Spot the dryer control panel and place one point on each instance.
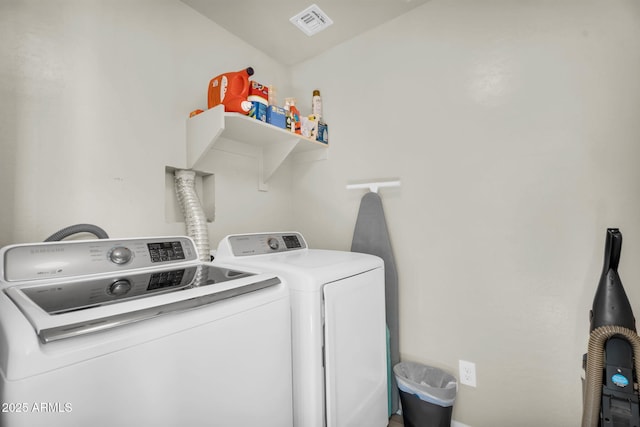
(260, 244)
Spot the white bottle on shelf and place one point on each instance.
(316, 104)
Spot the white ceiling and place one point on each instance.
(265, 24)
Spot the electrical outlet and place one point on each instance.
(467, 373)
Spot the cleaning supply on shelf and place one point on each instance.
(258, 111)
(323, 133)
(292, 116)
(272, 96)
(322, 130)
(309, 126)
(232, 90)
(259, 98)
(287, 114)
(316, 104)
(258, 93)
(276, 116)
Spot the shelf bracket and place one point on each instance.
(203, 131)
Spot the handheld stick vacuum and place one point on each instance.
(613, 356)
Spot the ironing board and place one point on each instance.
(372, 237)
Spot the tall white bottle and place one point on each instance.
(316, 104)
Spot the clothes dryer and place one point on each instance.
(338, 326)
(138, 332)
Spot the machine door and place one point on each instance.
(355, 351)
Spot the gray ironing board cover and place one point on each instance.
(372, 237)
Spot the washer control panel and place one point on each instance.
(260, 244)
(52, 260)
(63, 297)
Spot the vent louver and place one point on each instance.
(312, 20)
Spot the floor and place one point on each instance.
(395, 421)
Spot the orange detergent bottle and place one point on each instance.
(231, 90)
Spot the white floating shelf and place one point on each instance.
(213, 126)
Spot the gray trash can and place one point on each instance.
(427, 394)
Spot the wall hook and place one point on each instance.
(374, 186)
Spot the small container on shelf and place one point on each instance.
(309, 126)
(276, 116)
(323, 133)
(258, 111)
(259, 98)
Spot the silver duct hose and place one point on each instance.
(595, 365)
(194, 217)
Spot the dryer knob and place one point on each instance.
(273, 243)
(120, 255)
(119, 287)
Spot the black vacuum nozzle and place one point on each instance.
(611, 305)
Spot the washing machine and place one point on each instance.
(138, 332)
(338, 326)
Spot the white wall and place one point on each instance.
(94, 101)
(514, 127)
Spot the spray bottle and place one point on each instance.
(293, 117)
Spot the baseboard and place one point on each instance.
(454, 423)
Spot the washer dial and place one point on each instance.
(119, 287)
(273, 243)
(120, 255)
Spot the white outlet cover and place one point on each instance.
(467, 373)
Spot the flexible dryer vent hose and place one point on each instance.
(595, 365)
(194, 217)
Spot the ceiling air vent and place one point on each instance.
(312, 20)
